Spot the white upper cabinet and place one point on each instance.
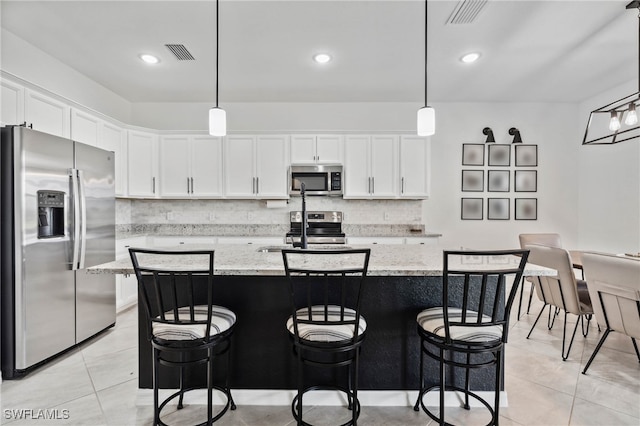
(46, 114)
(85, 128)
(142, 160)
(256, 166)
(190, 166)
(371, 166)
(114, 138)
(316, 149)
(11, 103)
(415, 154)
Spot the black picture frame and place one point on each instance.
(526, 155)
(525, 181)
(499, 155)
(472, 154)
(498, 181)
(526, 208)
(472, 209)
(498, 209)
(472, 180)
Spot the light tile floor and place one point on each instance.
(96, 384)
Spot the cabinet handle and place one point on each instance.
(192, 185)
(373, 185)
(402, 186)
(257, 185)
(253, 185)
(188, 189)
(153, 184)
(369, 188)
(318, 158)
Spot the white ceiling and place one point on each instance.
(547, 51)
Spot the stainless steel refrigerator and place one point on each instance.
(58, 218)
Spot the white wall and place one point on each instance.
(609, 186)
(32, 65)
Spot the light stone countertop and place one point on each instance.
(386, 260)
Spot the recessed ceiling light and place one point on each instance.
(470, 57)
(322, 58)
(149, 59)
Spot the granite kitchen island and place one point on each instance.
(403, 280)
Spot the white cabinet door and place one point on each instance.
(414, 167)
(206, 166)
(173, 170)
(272, 161)
(356, 167)
(316, 149)
(329, 149)
(85, 128)
(46, 114)
(11, 103)
(384, 169)
(114, 139)
(142, 159)
(239, 158)
(303, 149)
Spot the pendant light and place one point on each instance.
(217, 116)
(426, 114)
(620, 117)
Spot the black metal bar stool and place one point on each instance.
(470, 329)
(182, 330)
(326, 326)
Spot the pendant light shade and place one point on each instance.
(217, 122)
(217, 116)
(426, 121)
(426, 115)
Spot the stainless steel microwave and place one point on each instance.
(319, 179)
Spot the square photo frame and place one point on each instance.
(498, 209)
(499, 155)
(472, 180)
(526, 155)
(526, 208)
(472, 209)
(498, 181)
(526, 180)
(472, 154)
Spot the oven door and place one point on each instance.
(316, 183)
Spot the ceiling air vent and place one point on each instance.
(466, 11)
(181, 53)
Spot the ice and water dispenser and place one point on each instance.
(50, 214)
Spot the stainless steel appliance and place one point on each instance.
(323, 227)
(58, 218)
(319, 179)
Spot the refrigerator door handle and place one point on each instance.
(76, 219)
(83, 219)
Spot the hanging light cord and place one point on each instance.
(426, 20)
(217, 44)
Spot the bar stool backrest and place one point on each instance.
(170, 283)
(477, 283)
(328, 284)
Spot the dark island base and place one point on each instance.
(262, 356)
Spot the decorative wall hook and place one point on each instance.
(516, 135)
(487, 131)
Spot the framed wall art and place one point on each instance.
(472, 180)
(472, 154)
(525, 180)
(498, 209)
(498, 181)
(472, 208)
(526, 208)
(526, 155)
(499, 155)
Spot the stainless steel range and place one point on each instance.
(322, 228)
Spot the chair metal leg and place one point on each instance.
(593, 355)
(522, 282)
(210, 388)
(180, 406)
(530, 297)
(564, 332)
(537, 318)
(355, 409)
(226, 380)
(300, 387)
(496, 409)
(421, 390)
(635, 346)
(466, 383)
(156, 410)
(442, 384)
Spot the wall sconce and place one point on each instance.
(487, 131)
(516, 135)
